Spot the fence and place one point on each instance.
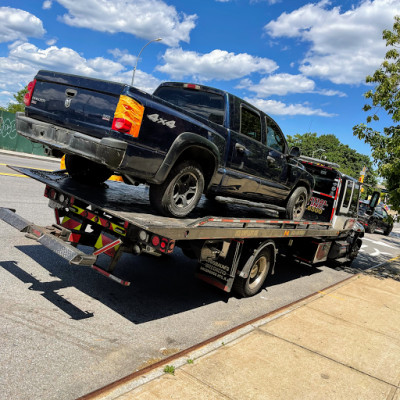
(10, 140)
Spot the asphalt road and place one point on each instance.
(66, 331)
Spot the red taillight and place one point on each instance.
(191, 86)
(155, 241)
(121, 125)
(29, 93)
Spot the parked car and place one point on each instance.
(379, 219)
(184, 140)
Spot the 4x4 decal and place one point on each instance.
(156, 118)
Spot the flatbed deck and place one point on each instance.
(130, 203)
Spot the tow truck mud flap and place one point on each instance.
(218, 262)
(53, 243)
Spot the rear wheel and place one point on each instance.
(86, 171)
(180, 192)
(387, 231)
(249, 286)
(297, 203)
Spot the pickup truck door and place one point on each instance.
(274, 174)
(245, 157)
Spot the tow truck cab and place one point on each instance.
(335, 196)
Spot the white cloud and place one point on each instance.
(25, 59)
(283, 84)
(47, 4)
(217, 64)
(17, 24)
(271, 2)
(345, 46)
(123, 56)
(274, 107)
(51, 42)
(147, 19)
(280, 84)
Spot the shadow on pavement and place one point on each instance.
(160, 286)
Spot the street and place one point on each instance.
(67, 331)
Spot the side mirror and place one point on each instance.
(294, 152)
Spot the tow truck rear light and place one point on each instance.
(155, 241)
(163, 244)
(128, 116)
(29, 93)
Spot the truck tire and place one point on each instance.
(297, 203)
(86, 171)
(371, 227)
(181, 191)
(246, 287)
(387, 231)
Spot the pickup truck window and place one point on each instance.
(275, 138)
(250, 123)
(204, 104)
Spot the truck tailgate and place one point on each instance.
(82, 104)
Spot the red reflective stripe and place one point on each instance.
(108, 247)
(213, 282)
(110, 276)
(57, 215)
(74, 237)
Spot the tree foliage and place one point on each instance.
(385, 96)
(329, 147)
(18, 105)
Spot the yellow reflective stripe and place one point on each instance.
(117, 228)
(99, 243)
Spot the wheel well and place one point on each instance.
(203, 157)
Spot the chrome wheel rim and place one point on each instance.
(185, 190)
(257, 272)
(299, 207)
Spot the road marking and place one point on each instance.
(380, 243)
(24, 166)
(20, 176)
(377, 253)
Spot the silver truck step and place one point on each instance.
(41, 234)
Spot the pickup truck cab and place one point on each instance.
(183, 141)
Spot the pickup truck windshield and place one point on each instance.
(204, 104)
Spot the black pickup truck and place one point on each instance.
(183, 141)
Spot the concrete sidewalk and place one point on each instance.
(340, 344)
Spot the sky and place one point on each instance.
(304, 63)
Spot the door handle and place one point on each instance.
(271, 160)
(240, 148)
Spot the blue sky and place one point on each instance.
(302, 62)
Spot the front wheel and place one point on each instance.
(297, 203)
(249, 286)
(180, 192)
(371, 227)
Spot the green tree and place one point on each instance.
(385, 96)
(18, 105)
(329, 147)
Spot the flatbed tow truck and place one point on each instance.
(236, 248)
